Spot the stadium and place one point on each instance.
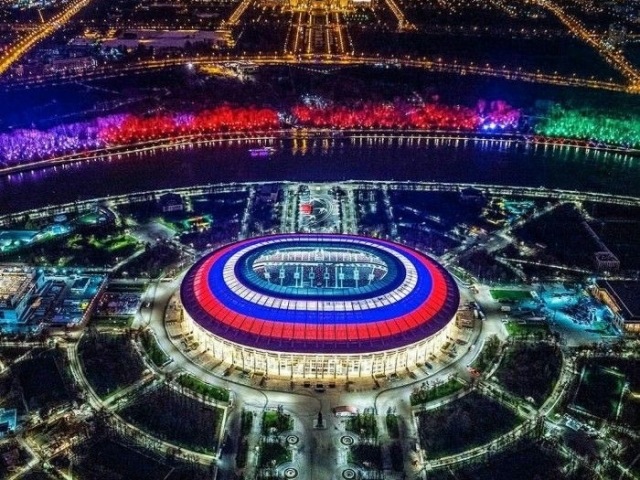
(319, 306)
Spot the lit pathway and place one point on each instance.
(616, 59)
(320, 446)
(97, 404)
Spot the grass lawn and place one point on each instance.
(530, 370)
(465, 423)
(423, 395)
(516, 329)
(41, 381)
(509, 295)
(152, 262)
(113, 457)
(22, 457)
(369, 456)
(397, 457)
(630, 368)
(111, 322)
(518, 463)
(11, 354)
(364, 424)
(114, 244)
(198, 386)
(195, 427)
(153, 350)
(109, 361)
(108, 456)
(488, 355)
(600, 390)
(243, 451)
(127, 287)
(272, 454)
(273, 420)
(392, 425)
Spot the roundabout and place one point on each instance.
(292, 440)
(349, 474)
(347, 440)
(290, 472)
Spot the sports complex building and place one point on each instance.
(320, 306)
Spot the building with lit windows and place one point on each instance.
(30, 298)
(16, 287)
(320, 306)
(623, 298)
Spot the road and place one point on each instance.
(17, 50)
(319, 454)
(97, 404)
(329, 61)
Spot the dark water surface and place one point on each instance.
(329, 160)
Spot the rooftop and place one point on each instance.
(626, 293)
(420, 299)
(13, 284)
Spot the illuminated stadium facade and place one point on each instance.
(319, 306)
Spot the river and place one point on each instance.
(328, 160)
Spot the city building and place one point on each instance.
(606, 261)
(171, 202)
(269, 192)
(465, 317)
(168, 39)
(320, 306)
(623, 298)
(471, 196)
(345, 411)
(616, 35)
(35, 298)
(8, 421)
(70, 65)
(16, 289)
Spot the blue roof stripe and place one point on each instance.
(392, 280)
(411, 302)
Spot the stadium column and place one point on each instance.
(396, 365)
(291, 364)
(233, 356)
(304, 359)
(384, 363)
(279, 364)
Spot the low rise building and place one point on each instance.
(16, 289)
(70, 65)
(29, 299)
(623, 298)
(171, 202)
(605, 261)
(168, 39)
(8, 421)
